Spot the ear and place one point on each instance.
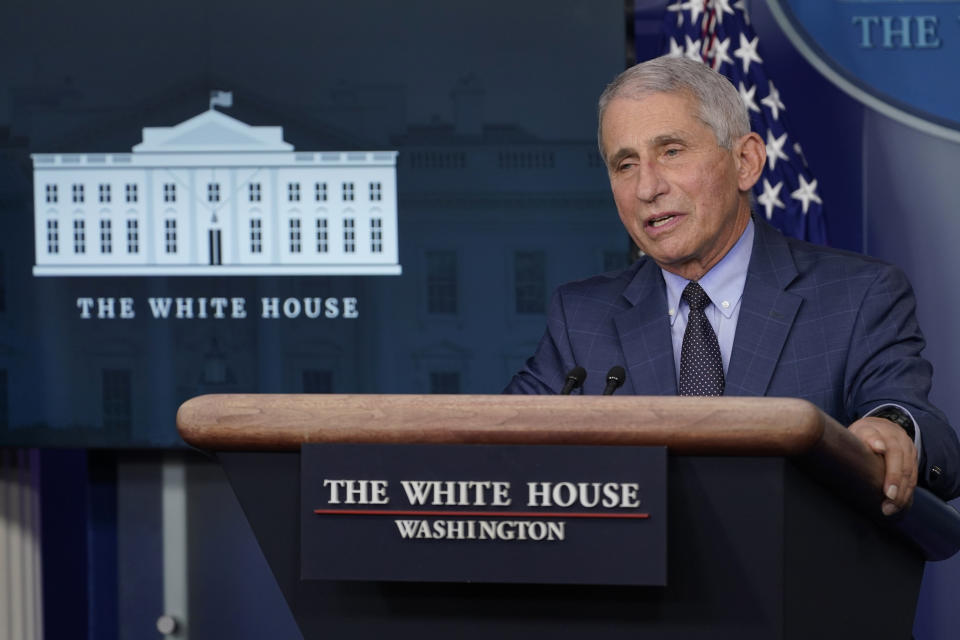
(750, 154)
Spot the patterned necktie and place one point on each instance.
(701, 367)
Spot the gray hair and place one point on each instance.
(718, 103)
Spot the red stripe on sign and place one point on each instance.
(478, 514)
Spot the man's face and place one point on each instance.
(678, 193)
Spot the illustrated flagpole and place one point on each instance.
(220, 98)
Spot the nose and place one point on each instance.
(650, 182)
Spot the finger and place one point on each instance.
(908, 501)
(910, 477)
(872, 437)
(889, 508)
(877, 443)
(894, 480)
(908, 470)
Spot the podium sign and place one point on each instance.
(484, 513)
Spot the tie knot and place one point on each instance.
(695, 296)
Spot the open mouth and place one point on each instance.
(660, 221)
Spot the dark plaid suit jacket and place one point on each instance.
(836, 328)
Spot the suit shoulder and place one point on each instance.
(829, 263)
(609, 285)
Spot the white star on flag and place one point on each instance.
(806, 193)
(720, 7)
(747, 96)
(775, 149)
(719, 53)
(773, 102)
(741, 4)
(679, 7)
(747, 52)
(797, 149)
(695, 7)
(676, 51)
(693, 50)
(770, 197)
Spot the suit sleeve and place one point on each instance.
(544, 372)
(885, 366)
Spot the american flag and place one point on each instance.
(718, 33)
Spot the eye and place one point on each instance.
(672, 152)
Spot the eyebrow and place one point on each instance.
(620, 155)
(658, 141)
(668, 138)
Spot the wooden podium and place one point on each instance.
(774, 526)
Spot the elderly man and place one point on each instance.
(722, 303)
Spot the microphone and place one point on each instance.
(615, 379)
(575, 378)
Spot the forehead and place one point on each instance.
(642, 121)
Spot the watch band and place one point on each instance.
(897, 416)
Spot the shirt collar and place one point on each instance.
(723, 283)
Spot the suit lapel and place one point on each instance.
(644, 333)
(767, 314)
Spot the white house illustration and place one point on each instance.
(214, 196)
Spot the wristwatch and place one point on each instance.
(897, 416)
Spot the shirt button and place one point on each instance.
(672, 311)
(725, 304)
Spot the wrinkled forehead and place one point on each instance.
(664, 111)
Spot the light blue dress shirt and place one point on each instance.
(724, 286)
